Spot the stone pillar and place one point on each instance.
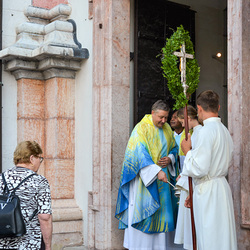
(60, 136)
(239, 113)
(44, 61)
(110, 118)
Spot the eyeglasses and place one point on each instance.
(41, 158)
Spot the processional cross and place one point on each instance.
(183, 55)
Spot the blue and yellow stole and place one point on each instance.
(155, 205)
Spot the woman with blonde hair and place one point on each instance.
(34, 195)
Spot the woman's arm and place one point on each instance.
(46, 229)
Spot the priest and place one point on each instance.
(208, 164)
(146, 207)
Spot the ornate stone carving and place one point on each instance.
(46, 46)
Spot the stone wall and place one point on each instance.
(110, 118)
(239, 114)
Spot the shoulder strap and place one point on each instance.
(5, 184)
(34, 214)
(14, 190)
(6, 187)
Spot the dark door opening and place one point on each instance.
(154, 22)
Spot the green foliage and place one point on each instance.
(171, 70)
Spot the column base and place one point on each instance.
(67, 224)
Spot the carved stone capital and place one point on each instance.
(46, 46)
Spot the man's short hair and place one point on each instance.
(209, 101)
(160, 105)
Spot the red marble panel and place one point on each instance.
(60, 138)
(32, 130)
(48, 4)
(60, 98)
(60, 174)
(30, 98)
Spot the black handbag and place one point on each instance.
(11, 219)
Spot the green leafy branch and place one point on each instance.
(171, 70)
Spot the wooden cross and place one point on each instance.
(183, 55)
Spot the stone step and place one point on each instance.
(76, 248)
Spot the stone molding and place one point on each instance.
(46, 46)
(59, 12)
(67, 223)
(66, 210)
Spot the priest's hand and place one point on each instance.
(164, 162)
(162, 176)
(178, 178)
(187, 202)
(186, 145)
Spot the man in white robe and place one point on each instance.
(208, 164)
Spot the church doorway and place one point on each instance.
(154, 21)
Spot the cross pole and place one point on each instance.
(183, 56)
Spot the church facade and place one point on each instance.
(70, 82)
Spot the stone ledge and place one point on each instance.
(28, 27)
(29, 74)
(67, 203)
(76, 248)
(67, 227)
(67, 214)
(20, 64)
(61, 73)
(59, 26)
(68, 239)
(44, 69)
(47, 51)
(60, 11)
(59, 63)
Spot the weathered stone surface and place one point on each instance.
(30, 99)
(52, 73)
(59, 241)
(27, 74)
(110, 100)
(61, 9)
(48, 63)
(60, 174)
(59, 98)
(239, 113)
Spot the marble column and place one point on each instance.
(239, 113)
(44, 61)
(60, 136)
(110, 118)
